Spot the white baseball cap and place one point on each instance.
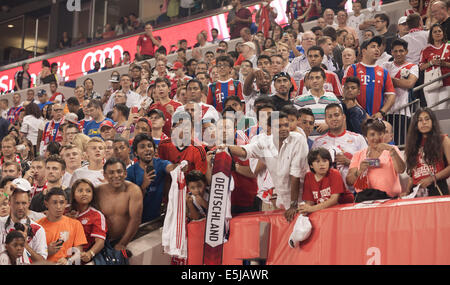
(402, 20)
(250, 45)
(22, 184)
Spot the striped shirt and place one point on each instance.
(317, 104)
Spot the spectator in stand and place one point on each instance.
(402, 27)
(417, 38)
(427, 154)
(97, 67)
(93, 221)
(31, 122)
(15, 110)
(132, 98)
(91, 128)
(305, 121)
(163, 17)
(51, 131)
(126, 59)
(72, 157)
(136, 72)
(88, 84)
(202, 41)
(342, 21)
(436, 56)
(108, 32)
(439, 11)
(73, 106)
(95, 154)
(315, 56)
(299, 10)
(107, 132)
(334, 5)
(150, 173)
(299, 65)
(238, 18)
(277, 33)
(4, 105)
(338, 141)
(354, 114)
(215, 36)
(22, 78)
(225, 86)
(328, 16)
(135, 22)
(416, 8)
(66, 41)
(56, 97)
(173, 9)
(45, 75)
(12, 169)
(121, 148)
(146, 44)
(404, 77)
(376, 82)
(326, 43)
(120, 115)
(123, 26)
(263, 80)
(108, 64)
(355, 20)
(323, 186)
(165, 104)
(62, 232)
(35, 242)
(121, 203)
(282, 83)
(288, 165)
(374, 171)
(13, 252)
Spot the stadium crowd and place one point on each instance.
(305, 115)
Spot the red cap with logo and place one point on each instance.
(106, 123)
(177, 65)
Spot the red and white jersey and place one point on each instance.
(347, 143)
(207, 111)
(35, 189)
(332, 84)
(431, 52)
(2, 160)
(94, 225)
(401, 94)
(38, 243)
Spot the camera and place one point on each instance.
(373, 162)
(19, 227)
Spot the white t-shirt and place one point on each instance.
(401, 94)
(354, 22)
(30, 127)
(95, 176)
(66, 179)
(4, 259)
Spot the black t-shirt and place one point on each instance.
(279, 102)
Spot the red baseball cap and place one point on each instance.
(177, 65)
(106, 123)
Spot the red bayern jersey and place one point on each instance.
(219, 91)
(194, 154)
(146, 44)
(375, 84)
(94, 225)
(331, 84)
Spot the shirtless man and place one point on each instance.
(121, 203)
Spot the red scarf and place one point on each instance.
(264, 21)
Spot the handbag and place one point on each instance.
(110, 256)
(432, 74)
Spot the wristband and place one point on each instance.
(92, 253)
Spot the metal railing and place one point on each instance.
(401, 116)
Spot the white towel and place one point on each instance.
(174, 240)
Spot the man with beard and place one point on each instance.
(285, 155)
(282, 82)
(263, 81)
(150, 174)
(341, 144)
(121, 203)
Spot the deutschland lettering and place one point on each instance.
(217, 208)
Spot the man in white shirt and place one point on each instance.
(284, 153)
(357, 19)
(72, 156)
(404, 77)
(299, 65)
(36, 242)
(417, 38)
(328, 16)
(341, 144)
(95, 152)
(249, 52)
(133, 98)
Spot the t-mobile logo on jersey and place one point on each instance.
(73, 5)
(374, 254)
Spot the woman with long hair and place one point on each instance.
(31, 122)
(277, 33)
(94, 223)
(434, 58)
(427, 154)
(374, 171)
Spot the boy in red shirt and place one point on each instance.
(323, 186)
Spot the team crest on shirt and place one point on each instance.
(379, 73)
(231, 87)
(84, 221)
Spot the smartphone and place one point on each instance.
(59, 242)
(149, 168)
(373, 162)
(134, 110)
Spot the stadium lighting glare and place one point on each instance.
(10, 26)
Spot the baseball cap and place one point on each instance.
(22, 184)
(106, 123)
(145, 120)
(177, 65)
(114, 78)
(157, 111)
(281, 74)
(250, 45)
(376, 39)
(42, 92)
(402, 20)
(71, 118)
